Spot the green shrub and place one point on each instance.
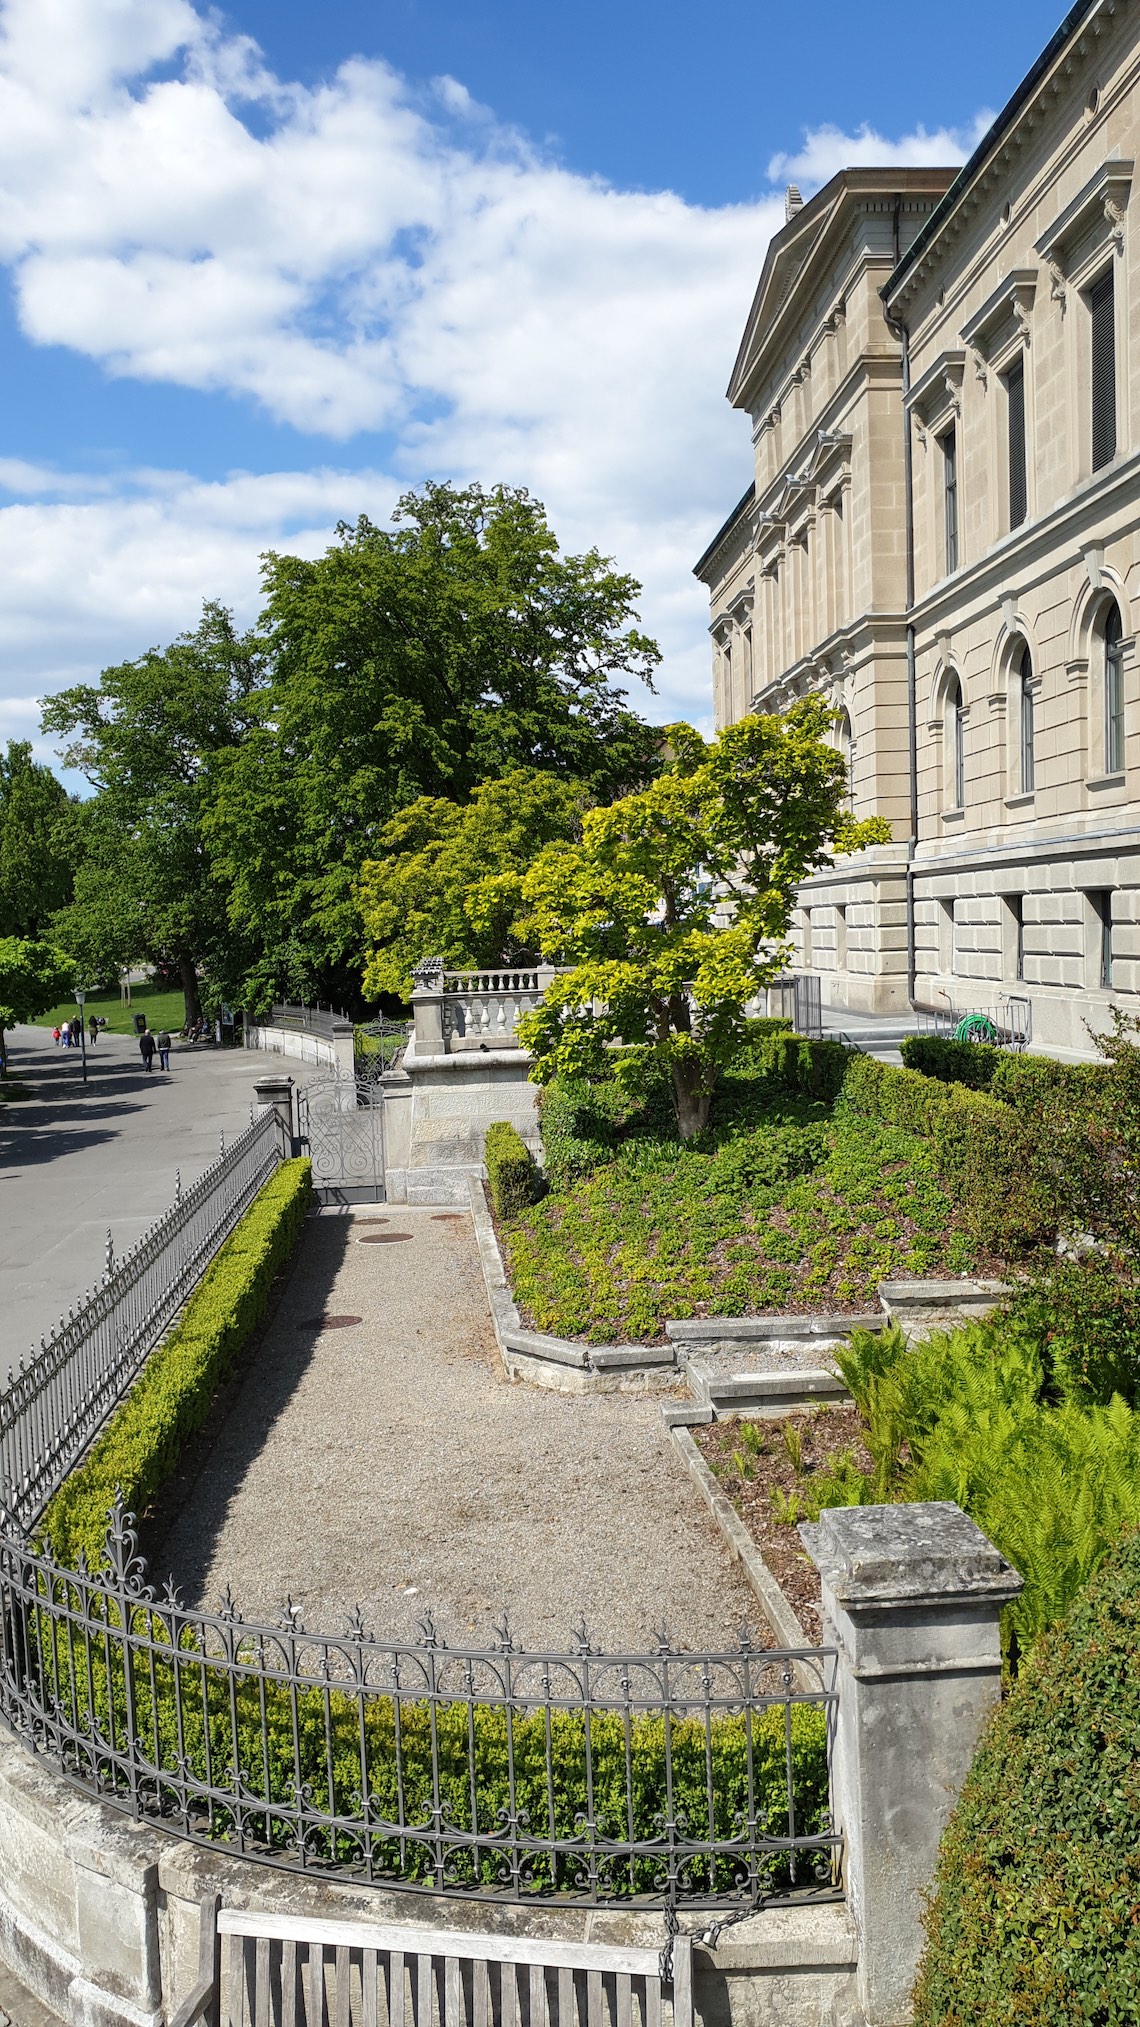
(1026, 1081)
(141, 1445)
(794, 1063)
(513, 1175)
(986, 1151)
(969, 1063)
(1084, 1314)
(579, 1130)
(1033, 1919)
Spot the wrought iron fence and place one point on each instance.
(492, 1773)
(51, 1409)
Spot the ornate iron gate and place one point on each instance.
(341, 1123)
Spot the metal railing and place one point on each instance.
(52, 1408)
(306, 1020)
(494, 1773)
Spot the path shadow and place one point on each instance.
(180, 1536)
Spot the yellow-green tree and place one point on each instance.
(674, 910)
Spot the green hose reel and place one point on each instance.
(976, 1027)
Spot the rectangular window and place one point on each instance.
(1102, 310)
(841, 939)
(1015, 388)
(806, 951)
(950, 481)
(1101, 903)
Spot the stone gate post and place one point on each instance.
(277, 1094)
(911, 1599)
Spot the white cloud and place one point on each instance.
(828, 149)
(354, 256)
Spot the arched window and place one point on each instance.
(956, 742)
(1113, 693)
(847, 748)
(1026, 689)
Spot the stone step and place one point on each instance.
(763, 1393)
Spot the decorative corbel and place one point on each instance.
(953, 393)
(981, 368)
(920, 433)
(1058, 285)
(1114, 219)
(1023, 320)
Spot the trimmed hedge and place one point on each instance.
(1033, 1920)
(985, 1149)
(140, 1447)
(969, 1063)
(513, 1175)
(808, 1069)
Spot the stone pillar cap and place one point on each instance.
(273, 1084)
(904, 1554)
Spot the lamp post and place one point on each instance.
(80, 996)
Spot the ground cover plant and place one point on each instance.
(790, 1201)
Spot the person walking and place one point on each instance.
(163, 1049)
(93, 1025)
(56, 1036)
(146, 1048)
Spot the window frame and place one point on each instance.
(1100, 299)
(1027, 708)
(951, 522)
(954, 740)
(1017, 447)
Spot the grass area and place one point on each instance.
(786, 1205)
(163, 1009)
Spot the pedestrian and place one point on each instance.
(55, 1036)
(146, 1048)
(65, 1032)
(163, 1049)
(93, 1024)
(76, 1032)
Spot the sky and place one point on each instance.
(267, 266)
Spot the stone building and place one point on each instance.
(943, 376)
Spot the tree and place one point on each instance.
(36, 843)
(146, 738)
(640, 910)
(407, 662)
(33, 977)
(450, 882)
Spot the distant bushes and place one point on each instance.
(142, 1443)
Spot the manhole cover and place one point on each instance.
(328, 1322)
(382, 1238)
(446, 1218)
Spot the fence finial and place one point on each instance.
(221, 1143)
(178, 1185)
(110, 1267)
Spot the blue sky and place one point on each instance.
(264, 267)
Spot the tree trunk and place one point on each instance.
(189, 978)
(691, 1100)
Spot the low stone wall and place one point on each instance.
(99, 1918)
(437, 1109)
(332, 1054)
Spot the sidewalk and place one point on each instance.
(74, 1162)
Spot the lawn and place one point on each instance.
(787, 1205)
(163, 1009)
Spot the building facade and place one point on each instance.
(944, 536)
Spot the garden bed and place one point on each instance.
(805, 1213)
(768, 1469)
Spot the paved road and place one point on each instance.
(76, 1162)
(385, 1461)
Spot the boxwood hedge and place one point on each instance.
(1034, 1920)
(141, 1445)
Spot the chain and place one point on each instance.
(672, 1930)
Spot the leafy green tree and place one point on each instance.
(33, 976)
(673, 912)
(407, 662)
(449, 883)
(147, 737)
(36, 843)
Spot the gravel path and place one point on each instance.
(387, 1462)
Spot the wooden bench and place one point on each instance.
(271, 1970)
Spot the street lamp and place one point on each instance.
(80, 996)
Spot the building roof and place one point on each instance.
(793, 249)
(1074, 19)
(722, 533)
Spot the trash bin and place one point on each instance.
(140, 1023)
